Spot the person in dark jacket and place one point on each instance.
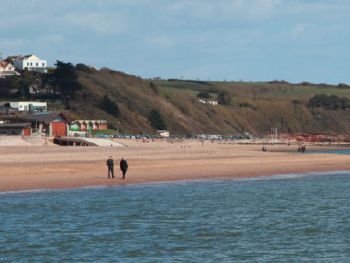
(110, 165)
(123, 166)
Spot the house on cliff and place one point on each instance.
(7, 69)
(28, 62)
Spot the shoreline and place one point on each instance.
(181, 181)
(40, 168)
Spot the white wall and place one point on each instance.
(26, 105)
(32, 63)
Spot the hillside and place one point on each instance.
(245, 106)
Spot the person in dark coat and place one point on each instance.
(123, 166)
(110, 165)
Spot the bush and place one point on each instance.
(156, 120)
(154, 87)
(246, 104)
(204, 95)
(224, 98)
(331, 102)
(110, 106)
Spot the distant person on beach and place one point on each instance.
(303, 149)
(110, 165)
(264, 148)
(123, 167)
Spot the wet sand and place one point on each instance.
(53, 167)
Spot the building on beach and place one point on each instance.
(23, 129)
(6, 111)
(48, 123)
(81, 127)
(29, 62)
(88, 125)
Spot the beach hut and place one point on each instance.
(23, 129)
(50, 123)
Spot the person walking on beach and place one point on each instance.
(123, 166)
(110, 165)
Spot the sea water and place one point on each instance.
(294, 218)
(332, 151)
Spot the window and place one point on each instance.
(43, 64)
(37, 64)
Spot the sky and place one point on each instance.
(232, 40)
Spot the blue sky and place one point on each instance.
(252, 40)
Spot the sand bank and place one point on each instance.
(26, 168)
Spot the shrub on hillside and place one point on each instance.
(224, 98)
(85, 68)
(156, 120)
(331, 102)
(343, 86)
(110, 106)
(154, 87)
(204, 94)
(246, 104)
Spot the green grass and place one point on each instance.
(253, 90)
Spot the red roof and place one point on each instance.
(3, 64)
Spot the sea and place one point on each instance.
(285, 218)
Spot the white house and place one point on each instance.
(32, 106)
(7, 69)
(29, 62)
(211, 102)
(163, 133)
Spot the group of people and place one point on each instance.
(302, 149)
(123, 164)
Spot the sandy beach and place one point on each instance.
(53, 167)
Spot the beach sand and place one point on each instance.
(53, 167)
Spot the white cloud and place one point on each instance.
(161, 41)
(103, 23)
(225, 9)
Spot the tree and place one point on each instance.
(156, 120)
(204, 94)
(224, 98)
(66, 79)
(110, 106)
(331, 102)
